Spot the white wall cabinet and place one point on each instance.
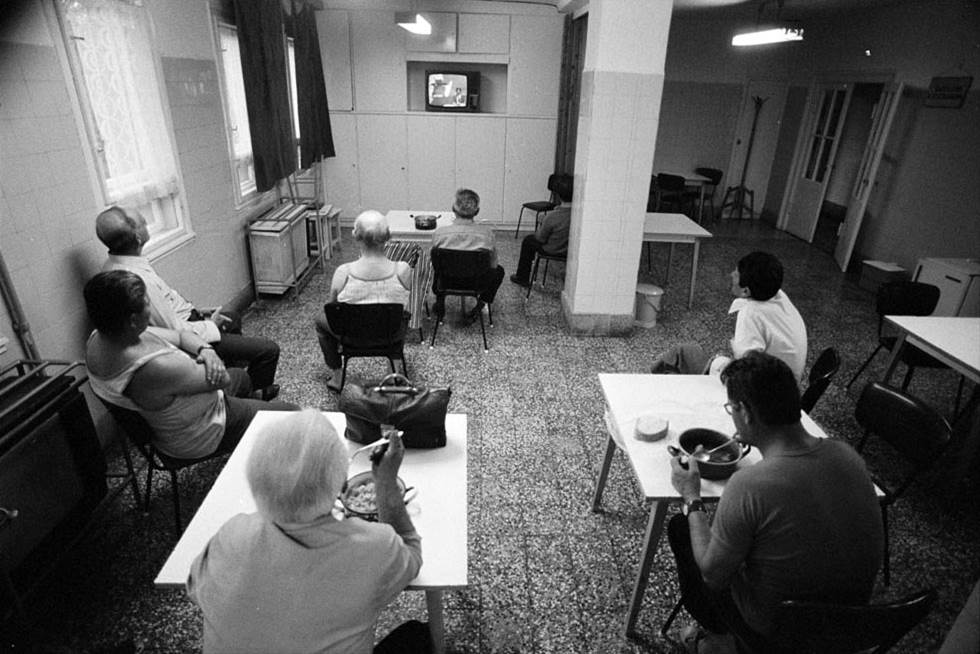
(958, 281)
(431, 162)
(333, 26)
(480, 147)
(378, 61)
(484, 34)
(382, 162)
(341, 179)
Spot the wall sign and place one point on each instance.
(948, 91)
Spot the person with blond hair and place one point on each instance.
(295, 576)
(371, 279)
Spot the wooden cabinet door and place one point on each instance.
(530, 158)
(480, 146)
(431, 162)
(382, 162)
(341, 184)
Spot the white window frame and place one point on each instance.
(166, 217)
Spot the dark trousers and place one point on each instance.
(412, 637)
(488, 283)
(530, 246)
(260, 355)
(714, 610)
(240, 409)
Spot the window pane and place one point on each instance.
(236, 111)
(293, 95)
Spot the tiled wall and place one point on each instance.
(47, 201)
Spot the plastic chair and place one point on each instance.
(821, 373)
(714, 179)
(559, 185)
(456, 272)
(804, 627)
(141, 435)
(914, 429)
(534, 271)
(670, 193)
(903, 298)
(369, 330)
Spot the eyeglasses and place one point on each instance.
(730, 407)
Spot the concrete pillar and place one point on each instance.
(622, 84)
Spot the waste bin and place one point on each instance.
(648, 299)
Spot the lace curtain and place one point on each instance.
(112, 39)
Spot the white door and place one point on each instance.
(431, 162)
(881, 123)
(341, 187)
(825, 118)
(480, 147)
(382, 162)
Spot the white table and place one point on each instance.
(676, 228)
(438, 512)
(693, 179)
(403, 230)
(686, 401)
(954, 341)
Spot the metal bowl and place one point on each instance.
(722, 463)
(357, 492)
(425, 221)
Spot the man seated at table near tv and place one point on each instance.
(295, 577)
(802, 523)
(766, 322)
(550, 238)
(175, 380)
(124, 232)
(464, 234)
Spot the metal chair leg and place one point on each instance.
(670, 618)
(520, 217)
(486, 348)
(176, 493)
(131, 470)
(534, 275)
(343, 374)
(886, 567)
(864, 365)
(149, 486)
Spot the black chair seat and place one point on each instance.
(540, 205)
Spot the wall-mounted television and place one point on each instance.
(452, 90)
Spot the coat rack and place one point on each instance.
(739, 194)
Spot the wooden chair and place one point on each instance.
(453, 272)
(559, 185)
(369, 330)
(804, 627)
(821, 373)
(914, 429)
(141, 435)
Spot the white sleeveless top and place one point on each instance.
(191, 426)
(388, 290)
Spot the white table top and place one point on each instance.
(693, 179)
(953, 339)
(402, 224)
(439, 511)
(669, 226)
(685, 401)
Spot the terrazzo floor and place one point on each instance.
(546, 574)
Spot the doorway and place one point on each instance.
(855, 132)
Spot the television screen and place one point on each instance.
(452, 91)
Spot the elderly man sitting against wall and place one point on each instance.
(124, 232)
(296, 578)
(175, 380)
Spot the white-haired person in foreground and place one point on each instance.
(295, 578)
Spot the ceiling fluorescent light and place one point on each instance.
(771, 35)
(415, 24)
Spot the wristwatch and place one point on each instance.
(694, 505)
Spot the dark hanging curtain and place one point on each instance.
(260, 30)
(315, 138)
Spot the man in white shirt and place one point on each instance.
(124, 232)
(766, 322)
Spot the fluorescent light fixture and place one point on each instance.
(415, 24)
(769, 35)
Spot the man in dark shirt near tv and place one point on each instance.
(551, 237)
(465, 234)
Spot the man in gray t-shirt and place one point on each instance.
(803, 523)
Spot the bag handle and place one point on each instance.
(395, 383)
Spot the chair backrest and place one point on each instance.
(356, 324)
(560, 186)
(670, 183)
(713, 174)
(823, 370)
(822, 628)
(905, 298)
(908, 424)
(459, 270)
(137, 429)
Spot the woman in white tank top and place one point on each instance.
(371, 279)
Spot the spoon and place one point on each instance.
(704, 455)
(369, 446)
